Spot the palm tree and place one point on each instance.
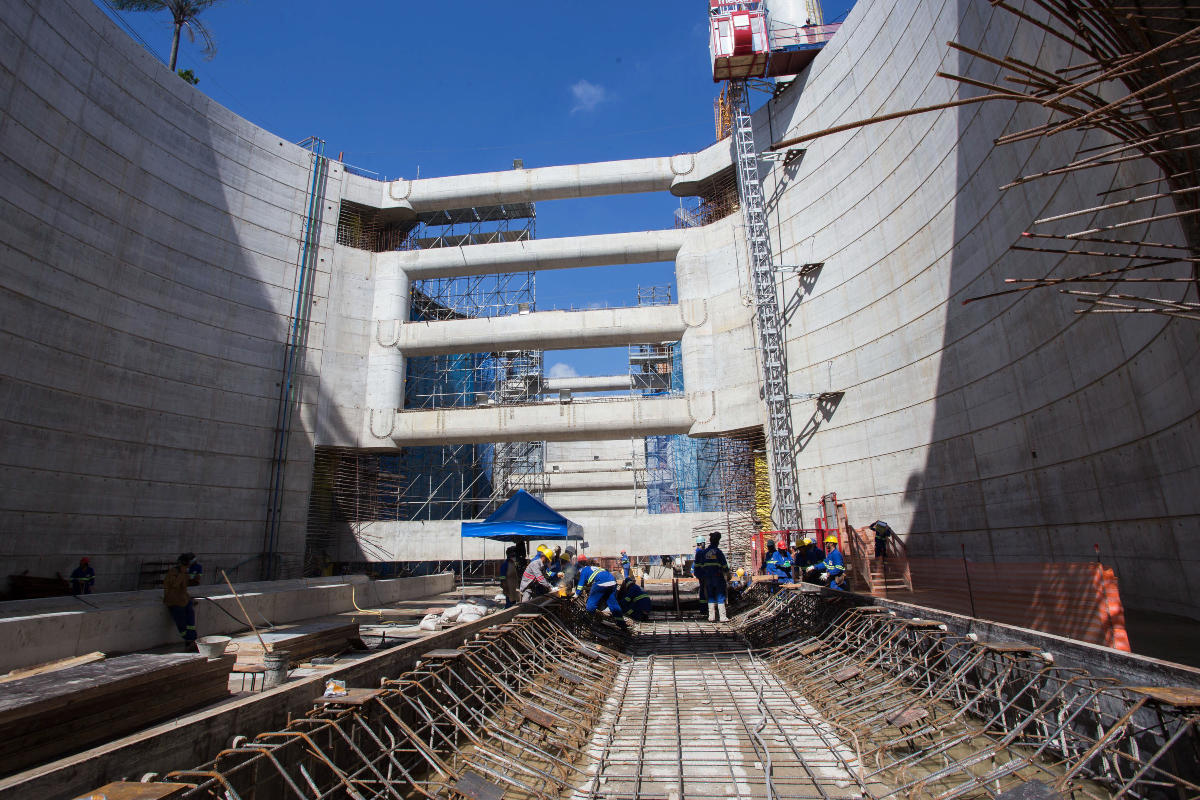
(184, 16)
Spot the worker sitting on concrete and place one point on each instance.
(625, 564)
(810, 556)
(833, 565)
(696, 562)
(179, 603)
(839, 582)
(883, 532)
(601, 588)
(533, 579)
(779, 565)
(713, 570)
(634, 601)
(83, 577)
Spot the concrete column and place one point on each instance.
(544, 330)
(607, 249)
(385, 362)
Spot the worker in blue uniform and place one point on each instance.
(833, 565)
(779, 564)
(601, 588)
(700, 545)
(713, 570)
(625, 565)
(634, 601)
(810, 555)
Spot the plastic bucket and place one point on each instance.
(277, 667)
(212, 646)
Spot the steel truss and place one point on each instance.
(780, 438)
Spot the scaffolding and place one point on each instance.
(351, 488)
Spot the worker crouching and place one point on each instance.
(634, 601)
(600, 585)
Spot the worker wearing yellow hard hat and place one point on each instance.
(809, 555)
(833, 565)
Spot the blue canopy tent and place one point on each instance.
(521, 518)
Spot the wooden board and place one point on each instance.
(46, 716)
(301, 641)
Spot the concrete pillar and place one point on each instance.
(385, 362)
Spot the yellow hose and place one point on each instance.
(354, 603)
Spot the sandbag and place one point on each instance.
(431, 622)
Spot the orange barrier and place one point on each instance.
(1078, 600)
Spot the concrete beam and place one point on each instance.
(622, 500)
(545, 330)
(588, 383)
(682, 174)
(578, 421)
(589, 481)
(641, 247)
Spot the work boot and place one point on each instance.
(721, 612)
(712, 612)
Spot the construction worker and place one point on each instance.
(554, 566)
(696, 561)
(510, 575)
(625, 564)
(83, 577)
(713, 570)
(833, 565)
(634, 601)
(533, 579)
(839, 582)
(179, 603)
(770, 551)
(601, 588)
(883, 532)
(570, 572)
(779, 564)
(810, 556)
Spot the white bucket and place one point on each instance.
(212, 646)
(276, 663)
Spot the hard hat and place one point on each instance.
(546, 551)
(85, 560)
(781, 545)
(806, 541)
(831, 539)
(622, 552)
(581, 562)
(699, 540)
(570, 551)
(741, 572)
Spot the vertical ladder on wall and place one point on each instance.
(780, 440)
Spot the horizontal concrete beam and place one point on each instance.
(588, 383)
(683, 174)
(640, 247)
(545, 330)
(578, 421)
(617, 500)
(589, 481)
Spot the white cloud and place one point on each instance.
(587, 95)
(561, 370)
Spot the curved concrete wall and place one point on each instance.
(150, 243)
(1010, 426)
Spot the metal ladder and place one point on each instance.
(780, 439)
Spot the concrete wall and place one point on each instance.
(148, 251)
(38, 631)
(1010, 426)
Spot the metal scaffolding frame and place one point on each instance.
(772, 353)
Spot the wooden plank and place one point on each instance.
(128, 790)
(52, 666)
(353, 697)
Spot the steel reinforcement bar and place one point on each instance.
(935, 714)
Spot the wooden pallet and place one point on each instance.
(301, 641)
(46, 716)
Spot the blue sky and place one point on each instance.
(398, 87)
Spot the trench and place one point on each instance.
(802, 696)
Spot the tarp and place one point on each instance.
(523, 517)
